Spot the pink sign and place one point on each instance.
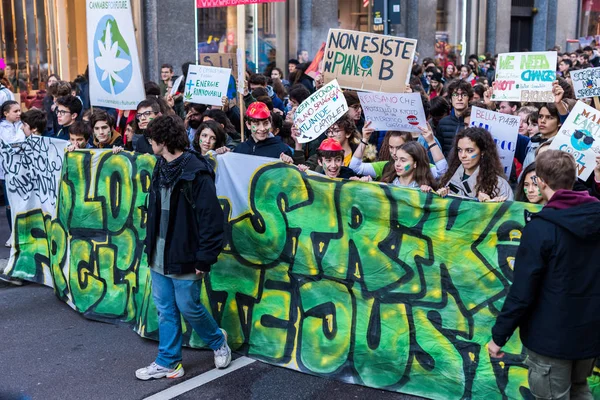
(227, 3)
(2, 63)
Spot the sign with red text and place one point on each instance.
(504, 129)
(227, 3)
(368, 61)
(580, 136)
(525, 77)
(393, 111)
(321, 110)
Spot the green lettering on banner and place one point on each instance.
(368, 283)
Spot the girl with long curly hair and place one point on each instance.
(475, 170)
(411, 168)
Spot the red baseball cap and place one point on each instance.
(258, 110)
(330, 144)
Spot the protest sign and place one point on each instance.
(176, 85)
(393, 111)
(585, 41)
(221, 60)
(321, 110)
(504, 129)
(369, 284)
(580, 136)
(206, 85)
(226, 3)
(115, 75)
(586, 82)
(368, 61)
(525, 77)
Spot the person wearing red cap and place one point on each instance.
(330, 156)
(261, 141)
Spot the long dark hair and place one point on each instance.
(422, 174)
(214, 126)
(490, 167)
(520, 191)
(384, 152)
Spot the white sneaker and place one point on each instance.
(155, 371)
(223, 354)
(9, 241)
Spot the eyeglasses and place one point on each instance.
(62, 112)
(334, 132)
(356, 107)
(587, 139)
(461, 95)
(144, 115)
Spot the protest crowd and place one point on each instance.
(449, 155)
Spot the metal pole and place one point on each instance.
(241, 39)
(196, 30)
(385, 17)
(255, 35)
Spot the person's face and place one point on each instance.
(10, 72)
(566, 57)
(77, 140)
(464, 72)
(275, 74)
(460, 100)
(468, 154)
(466, 122)
(13, 114)
(562, 67)
(291, 67)
(102, 132)
(476, 96)
(547, 123)
(404, 164)
(573, 57)
(52, 80)
(144, 116)
(165, 74)
(338, 134)
(355, 112)
(532, 128)
(207, 140)
(394, 145)
(532, 191)
(450, 70)
(331, 165)
(157, 149)
(505, 108)
(581, 59)
(64, 116)
(523, 125)
(26, 129)
(435, 85)
(588, 52)
(129, 133)
(304, 56)
(260, 129)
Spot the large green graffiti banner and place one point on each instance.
(362, 282)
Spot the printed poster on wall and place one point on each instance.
(504, 129)
(525, 77)
(368, 61)
(206, 85)
(586, 82)
(115, 75)
(321, 110)
(580, 136)
(393, 111)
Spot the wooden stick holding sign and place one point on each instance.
(241, 63)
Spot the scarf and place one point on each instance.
(170, 172)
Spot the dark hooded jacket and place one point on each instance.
(270, 147)
(447, 128)
(555, 295)
(194, 237)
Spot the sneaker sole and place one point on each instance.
(229, 357)
(178, 373)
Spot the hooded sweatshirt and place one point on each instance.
(555, 294)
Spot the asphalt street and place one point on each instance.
(51, 352)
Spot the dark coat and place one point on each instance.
(447, 128)
(270, 147)
(195, 233)
(555, 295)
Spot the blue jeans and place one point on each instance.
(172, 296)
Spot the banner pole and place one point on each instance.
(196, 29)
(241, 39)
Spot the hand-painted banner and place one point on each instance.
(525, 77)
(362, 282)
(393, 111)
(580, 136)
(586, 82)
(505, 130)
(321, 110)
(368, 61)
(226, 3)
(206, 85)
(115, 73)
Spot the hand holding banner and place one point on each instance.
(586, 82)
(393, 111)
(320, 111)
(206, 85)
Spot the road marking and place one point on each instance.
(200, 380)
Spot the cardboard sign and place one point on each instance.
(176, 85)
(206, 85)
(586, 82)
(226, 3)
(115, 74)
(587, 40)
(505, 130)
(221, 60)
(393, 111)
(525, 77)
(321, 110)
(368, 61)
(580, 136)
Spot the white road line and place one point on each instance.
(200, 380)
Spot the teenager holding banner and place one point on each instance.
(411, 169)
(527, 190)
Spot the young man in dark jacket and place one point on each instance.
(261, 141)
(461, 93)
(184, 238)
(555, 296)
